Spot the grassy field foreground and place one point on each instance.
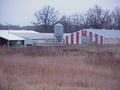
(60, 68)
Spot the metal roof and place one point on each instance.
(29, 34)
(35, 35)
(9, 36)
(105, 32)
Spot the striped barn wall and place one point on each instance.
(66, 40)
(75, 38)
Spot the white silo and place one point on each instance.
(58, 33)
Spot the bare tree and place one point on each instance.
(97, 17)
(78, 21)
(67, 23)
(116, 17)
(46, 17)
(73, 22)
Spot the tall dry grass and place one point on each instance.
(60, 68)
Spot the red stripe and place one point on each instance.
(84, 32)
(96, 39)
(90, 36)
(77, 38)
(101, 40)
(66, 39)
(71, 38)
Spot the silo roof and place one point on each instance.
(59, 25)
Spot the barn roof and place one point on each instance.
(10, 36)
(35, 35)
(105, 32)
(29, 34)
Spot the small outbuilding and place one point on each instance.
(10, 40)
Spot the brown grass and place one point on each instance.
(60, 68)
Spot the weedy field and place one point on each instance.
(60, 68)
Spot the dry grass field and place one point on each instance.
(60, 68)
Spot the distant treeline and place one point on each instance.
(95, 17)
(32, 27)
(16, 27)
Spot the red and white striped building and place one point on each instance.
(84, 37)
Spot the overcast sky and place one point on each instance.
(20, 12)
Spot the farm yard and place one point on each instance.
(60, 68)
(59, 45)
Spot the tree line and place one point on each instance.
(16, 27)
(96, 17)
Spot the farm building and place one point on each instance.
(35, 38)
(11, 40)
(94, 36)
(109, 36)
(31, 37)
(83, 37)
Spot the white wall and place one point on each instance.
(111, 40)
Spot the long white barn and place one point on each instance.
(29, 37)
